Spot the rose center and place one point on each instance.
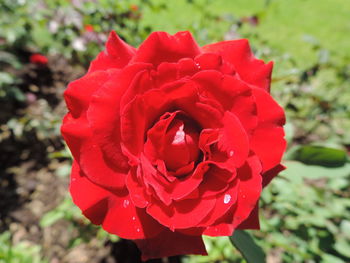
(181, 144)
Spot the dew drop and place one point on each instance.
(126, 203)
(133, 218)
(198, 66)
(227, 198)
(231, 153)
(243, 196)
(138, 230)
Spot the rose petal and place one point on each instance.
(247, 198)
(127, 221)
(222, 227)
(207, 61)
(154, 180)
(78, 136)
(224, 202)
(91, 199)
(181, 214)
(137, 190)
(237, 52)
(233, 139)
(182, 187)
(270, 174)
(169, 243)
(250, 187)
(252, 222)
(107, 208)
(269, 134)
(104, 114)
(155, 144)
(161, 47)
(116, 55)
(74, 132)
(233, 94)
(79, 92)
(215, 181)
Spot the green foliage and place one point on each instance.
(304, 211)
(318, 155)
(248, 248)
(66, 210)
(23, 252)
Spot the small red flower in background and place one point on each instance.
(89, 28)
(172, 141)
(134, 8)
(38, 59)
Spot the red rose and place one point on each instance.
(172, 140)
(38, 59)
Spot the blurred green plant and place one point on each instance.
(22, 252)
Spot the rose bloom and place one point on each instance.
(172, 141)
(38, 59)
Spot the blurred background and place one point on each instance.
(305, 212)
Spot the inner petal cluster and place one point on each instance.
(181, 144)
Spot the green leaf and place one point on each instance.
(296, 171)
(51, 218)
(318, 155)
(245, 244)
(342, 246)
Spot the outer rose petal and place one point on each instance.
(252, 222)
(79, 92)
(270, 174)
(104, 114)
(78, 136)
(269, 134)
(250, 69)
(105, 207)
(169, 243)
(250, 187)
(161, 47)
(116, 55)
(94, 204)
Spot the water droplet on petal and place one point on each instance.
(198, 66)
(227, 198)
(126, 203)
(243, 196)
(138, 230)
(231, 153)
(133, 218)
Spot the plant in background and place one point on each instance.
(172, 141)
